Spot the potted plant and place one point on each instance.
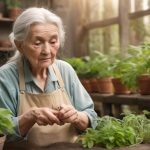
(13, 7)
(124, 75)
(143, 68)
(2, 8)
(6, 125)
(134, 70)
(81, 67)
(101, 66)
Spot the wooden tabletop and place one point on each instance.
(76, 146)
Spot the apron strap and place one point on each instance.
(58, 75)
(21, 75)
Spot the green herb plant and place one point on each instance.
(101, 64)
(135, 63)
(80, 66)
(6, 124)
(12, 3)
(112, 132)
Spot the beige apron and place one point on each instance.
(42, 136)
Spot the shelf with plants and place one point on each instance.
(94, 72)
(124, 72)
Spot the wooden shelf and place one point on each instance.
(109, 100)
(6, 20)
(6, 49)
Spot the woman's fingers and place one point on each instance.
(53, 116)
(45, 116)
(68, 114)
(71, 119)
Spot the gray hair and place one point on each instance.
(35, 15)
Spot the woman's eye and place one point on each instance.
(37, 43)
(53, 41)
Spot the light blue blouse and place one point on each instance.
(9, 90)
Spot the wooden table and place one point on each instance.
(109, 100)
(76, 146)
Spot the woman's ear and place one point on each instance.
(19, 45)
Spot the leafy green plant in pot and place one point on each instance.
(14, 8)
(125, 74)
(2, 8)
(87, 75)
(90, 71)
(102, 65)
(143, 68)
(6, 125)
(133, 67)
(80, 65)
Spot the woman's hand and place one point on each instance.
(68, 114)
(45, 116)
(41, 116)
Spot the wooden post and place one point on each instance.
(124, 25)
(81, 14)
(74, 14)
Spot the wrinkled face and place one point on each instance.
(41, 45)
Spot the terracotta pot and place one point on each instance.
(2, 9)
(144, 84)
(94, 85)
(14, 13)
(2, 140)
(87, 85)
(119, 87)
(105, 85)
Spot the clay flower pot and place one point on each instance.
(14, 13)
(119, 87)
(94, 85)
(144, 84)
(105, 85)
(87, 85)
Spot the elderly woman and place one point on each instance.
(47, 100)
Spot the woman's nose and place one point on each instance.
(46, 48)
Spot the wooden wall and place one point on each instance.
(74, 14)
